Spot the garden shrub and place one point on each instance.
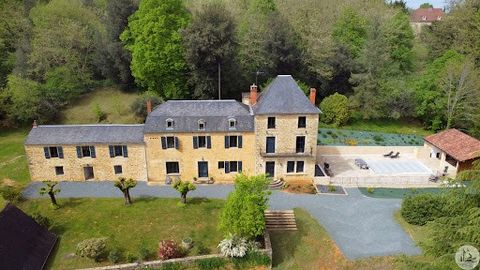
(41, 220)
(211, 263)
(143, 252)
(131, 258)
(370, 190)
(335, 110)
(252, 259)
(422, 208)
(93, 248)
(168, 249)
(100, 115)
(351, 142)
(115, 255)
(378, 138)
(201, 249)
(234, 246)
(172, 266)
(11, 194)
(243, 213)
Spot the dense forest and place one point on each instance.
(53, 51)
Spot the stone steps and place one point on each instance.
(276, 184)
(280, 220)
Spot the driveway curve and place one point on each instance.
(361, 226)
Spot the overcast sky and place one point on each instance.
(417, 3)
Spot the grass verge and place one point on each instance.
(127, 228)
(312, 248)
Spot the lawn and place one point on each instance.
(115, 103)
(312, 248)
(399, 193)
(386, 126)
(13, 163)
(146, 222)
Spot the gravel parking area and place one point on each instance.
(360, 226)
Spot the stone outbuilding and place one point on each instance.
(454, 150)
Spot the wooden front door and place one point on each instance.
(202, 169)
(88, 173)
(270, 168)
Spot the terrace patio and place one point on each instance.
(410, 169)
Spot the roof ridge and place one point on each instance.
(202, 100)
(92, 125)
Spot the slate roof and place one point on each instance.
(426, 15)
(85, 134)
(457, 144)
(23, 243)
(187, 113)
(284, 96)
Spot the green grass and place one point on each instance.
(147, 221)
(13, 163)
(312, 248)
(398, 193)
(115, 103)
(386, 126)
(417, 233)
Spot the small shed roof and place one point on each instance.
(23, 243)
(455, 143)
(85, 134)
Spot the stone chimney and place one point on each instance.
(149, 106)
(34, 125)
(253, 94)
(313, 95)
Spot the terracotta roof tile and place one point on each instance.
(427, 15)
(456, 143)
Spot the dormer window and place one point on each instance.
(232, 123)
(201, 125)
(424, 18)
(169, 123)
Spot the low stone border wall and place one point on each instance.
(187, 260)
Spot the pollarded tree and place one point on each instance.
(124, 185)
(50, 189)
(243, 214)
(154, 39)
(183, 188)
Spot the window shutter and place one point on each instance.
(92, 152)
(125, 151)
(239, 141)
(110, 149)
(240, 169)
(79, 151)
(47, 152)
(227, 167)
(177, 143)
(195, 142)
(227, 141)
(164, 143)
(209, 142)
(60, 151)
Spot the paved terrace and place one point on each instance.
(360, 226)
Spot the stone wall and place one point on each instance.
(188, 157)
(41, 168)
(285, 132)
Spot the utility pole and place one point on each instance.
(219, 81)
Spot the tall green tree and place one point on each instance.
(351, 31)
(399, 37)
(210, 49)
(113, 59)
(153, 37)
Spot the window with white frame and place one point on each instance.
(232, 123)
(201, 124)
(295, 166)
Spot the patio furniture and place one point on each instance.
(361, 164)
(389, 154)
(445, 170)
(433, 178)
(397, 155)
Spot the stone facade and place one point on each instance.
(286, 132)
(188, 157)
(41, 168)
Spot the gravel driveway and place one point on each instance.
(360, 226)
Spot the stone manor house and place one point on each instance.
(273, 132)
